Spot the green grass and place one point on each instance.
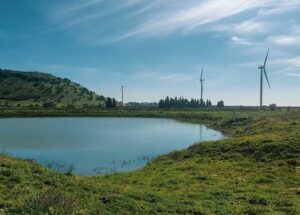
(36, 89)
(255, 170)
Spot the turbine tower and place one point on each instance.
(122, 88)
(201, 81)
(263, 72)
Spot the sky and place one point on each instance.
(158, 47)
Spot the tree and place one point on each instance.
(114, 103)
(181, 102)
(202, 103)
(161, 103)
(167, 102)
(110, 102)
(208, 103)
(220, 104)
(48, 104)
(272, 106)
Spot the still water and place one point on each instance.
(97, 145)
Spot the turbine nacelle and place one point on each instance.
(261, 67)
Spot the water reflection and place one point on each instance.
(97, 145)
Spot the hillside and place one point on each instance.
(36, 89)
(254, 171)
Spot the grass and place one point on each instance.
(253, 171)
(35, 90)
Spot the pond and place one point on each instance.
(91, 146)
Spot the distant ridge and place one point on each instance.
(37, 89)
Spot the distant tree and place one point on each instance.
(110, 103)
(48, 104)
(208, 103)
(220, 104)
(161, 103)
(114, 103)
(5, 93)
(71, 105)
(66, 80)
(100, 98)
(100, 105)
(167, 102)
(272, 106)
(59, 89)
(86, 105)
(202, 103)
(181, 102)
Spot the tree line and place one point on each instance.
(182, 102)
(110, 102)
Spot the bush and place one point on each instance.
(50, 202)
(48, 104)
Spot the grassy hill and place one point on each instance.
(255, 170)
(36, 89)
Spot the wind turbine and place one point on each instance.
(263, 72)
(201, 81)
(122, 88)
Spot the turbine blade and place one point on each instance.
(202, 72)
(266, 58)
(265, 72)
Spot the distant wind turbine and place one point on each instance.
(122, 88)
(201, 81)
(263, 72)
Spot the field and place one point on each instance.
(255, 170)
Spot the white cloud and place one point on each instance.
(176, 77)
(248, 27)
(297, 75)
(285, 40)
(288, 66)
(191, 17)
(73, 8)
(158, 18)
(70, 69)
(251, 27)
(239, 41)
(293, 61)
(82, 13)
(163, 76)
(280, 7)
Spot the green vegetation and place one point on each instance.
(110, 103)
(220, 104)
(185, 103)
(253, 171)
(42, 90)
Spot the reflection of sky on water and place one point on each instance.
(120, 144)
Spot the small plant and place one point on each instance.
(70, 169)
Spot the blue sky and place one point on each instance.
(157, 47)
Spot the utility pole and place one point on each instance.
(122, 88)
